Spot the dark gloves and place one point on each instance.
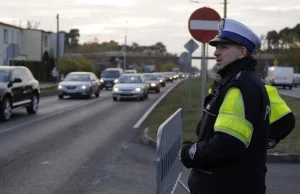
(187, 153)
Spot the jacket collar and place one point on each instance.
(246, 63)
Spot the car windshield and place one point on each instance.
(78, 77)
(159, 75)
(130, 79)
(150, 77)
(111, 74)
(4, 75)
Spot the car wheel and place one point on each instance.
(89, 95)
(5, 109)
(158, 90)
(60, 96)
(141, 98)
(115, 98)
(97, 94)
(33, 108)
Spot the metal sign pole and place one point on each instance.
(190, 83)
(203, 77)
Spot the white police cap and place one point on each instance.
(234, 32)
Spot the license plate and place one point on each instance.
(71, 91)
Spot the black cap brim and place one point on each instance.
(221, 39)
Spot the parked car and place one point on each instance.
(18, 89)
(109, 77)
(131, 86)
(153, 82)
(296, 79)
(79, 84)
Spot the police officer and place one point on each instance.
(230, 154)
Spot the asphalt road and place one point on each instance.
(294, 92)
(77, 146)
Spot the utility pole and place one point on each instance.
(57, 47)
(125, 49)
(225, 8)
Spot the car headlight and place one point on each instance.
(153, 84)
(170, 77)
(116, 81)
(138, 89)
(83, 87)
(59, 86)
(161, 80)
(116, 89)
(101, 80)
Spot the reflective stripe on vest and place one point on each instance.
(231, 119)
(278, 106)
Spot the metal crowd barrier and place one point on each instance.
(168, 166)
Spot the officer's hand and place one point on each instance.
(187, 154)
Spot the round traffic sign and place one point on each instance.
(203, 24)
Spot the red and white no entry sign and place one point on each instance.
(203, 24)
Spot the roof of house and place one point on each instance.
(1, 23)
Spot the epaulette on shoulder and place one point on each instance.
(238, 76)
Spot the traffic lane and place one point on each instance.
(295, 92)
(41, 159)
(283, 178)
(48, 106)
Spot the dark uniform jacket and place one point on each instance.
(230, 155)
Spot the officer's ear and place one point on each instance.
(243, 51)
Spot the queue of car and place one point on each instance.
(19, 88)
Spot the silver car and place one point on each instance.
(79, 84)
(131, 86)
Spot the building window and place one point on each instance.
(5, 36)
(46, 41)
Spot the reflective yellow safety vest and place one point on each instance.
(231, 118)
(279, 107)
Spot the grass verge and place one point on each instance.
(178, 98)
(48, 90)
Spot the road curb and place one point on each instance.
(151, 109)
(271, 157)
(44, 94)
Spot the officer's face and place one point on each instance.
(227, 53)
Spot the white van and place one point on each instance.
(280, 76)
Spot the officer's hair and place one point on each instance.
(248, 54)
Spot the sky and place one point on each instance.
(145, 21)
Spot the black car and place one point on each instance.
(18, 88)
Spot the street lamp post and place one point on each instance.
(57, 48)
(125, 49)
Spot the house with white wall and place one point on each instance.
(9, 35)
(34, 44)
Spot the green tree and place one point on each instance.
(168, 66)
(85, 65)
(73, 36)
(67, 65)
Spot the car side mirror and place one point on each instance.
(17, 80)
